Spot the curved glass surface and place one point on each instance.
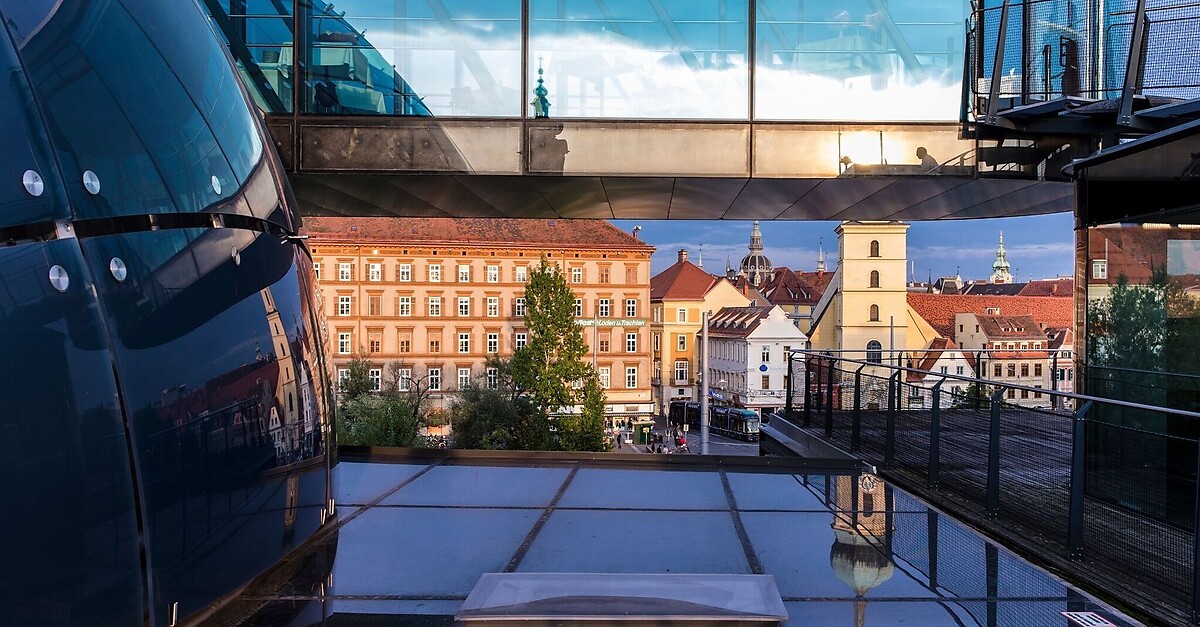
(224, 406)
(71, 531)
(142, 99)
(859, 60)
(647, 59)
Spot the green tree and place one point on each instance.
(492, 418)
(585, 431)
(1128, 328)
(368, 420)
(358, 379)
(552, 360)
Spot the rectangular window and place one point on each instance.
(345, 273)
(493, 306)
(404, 341)
(996, 371)
(493, 274)
(1011, 393)
(342, 375)
(1024, 370)
(404, 272)
(375, 272)
(464, 306)
(520, 274)
(435, 306)
(681, 343)
(519, 340)
(657, 343)
(435, 379)
(404, 306)
(493, 343)
(344, 304)
(464, 377)
(605, 376)
(958, 370)
(578, 307)
(464, 274)
(603, 307)
(681, 370)
(1037, 370)
(577, 275)
(631, 342)
(766, 382)
(493, 378)
(1012, 370)
(766, 353)
(317, 269)
(604, 275)
(464, 342)
(1024, 393)
(519, 307)
(631, 275)
(1037, 394)
(681, 315)
(375, 342)
(630, 308)
(1100, 269)
(656, 314)
(631, 377)
(435, 273)
(604, 342)
(376, 377)
(344, 343)
(374, 305)
(435, 344)
(945, 369)
(403, 379)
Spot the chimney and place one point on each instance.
(683, 254)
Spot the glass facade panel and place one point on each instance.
(647, 59)
(448, 58)
(260, 40)
(859, 59)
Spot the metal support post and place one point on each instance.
(807, 390)
(998, 66)
(704, 383)
(889, 442)
(1133, 69)
(935, 436)
(787, 402)
(993, 469)
(1196, 553)
(1078, 476)
(829, 398)
(979, 372)
(1054, 380)
(856, 425)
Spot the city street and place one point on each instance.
(717, 444)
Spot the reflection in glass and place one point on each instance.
(861, 555)
(656, 59)
(259, 36)
(424, 57)
(859, 59)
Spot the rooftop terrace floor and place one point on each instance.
(414, 535)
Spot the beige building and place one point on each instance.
(439, 296)
(678, 297)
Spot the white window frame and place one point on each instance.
(631, 374)
(435, 379)
(520, 339)
(404, 306)
(376, 377)
(344, 271)
(464, 306)
(343, 374)
(317, 269)
(493, 306)
(682, 366)
(604, 308)
(605, 375)
(435, 306)
(631, 342)
(521, 274)
(681, 342)
(345, 340)
(630, 307)
(577, 275)
(344, 305)
(493, 273)
(375, 272)
(578, 307)
(493, 343)
(464, 273)
(464, 342)
(403, 379)
(766, 353)
(404, 273)
(519, 307)
(435, 273)
(464, 377)
(493, 378)
(681, 315)
(1100, 269)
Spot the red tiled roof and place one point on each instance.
(787, 287)
(932, 354)
(1134, 251)
(737, 321)
(1020, 327)
(939, 309)
(1062, 286)
(682, 281)
(510, 232)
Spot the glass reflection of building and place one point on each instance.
(861, 555)
(165, 418)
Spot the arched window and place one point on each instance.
(874, 248)
(874, 278)
(875, 352)
(874, 313)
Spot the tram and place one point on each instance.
(733, 422)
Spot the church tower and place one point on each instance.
(755, 265)
(1000, 267)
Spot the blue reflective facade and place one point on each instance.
(165, 417)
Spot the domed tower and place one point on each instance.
(755, 266)
(1000, 273)
(861, 554)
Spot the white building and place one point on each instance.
(748, 356)
(942, 357)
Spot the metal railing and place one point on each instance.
(1089, 482)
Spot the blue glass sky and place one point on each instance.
(1038, 246)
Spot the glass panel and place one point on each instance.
(482, 487)
(643, 489)
(859, 59)
(259, 36)
(492, 147)
(863, 150)
(662, 59)
(633, 148)
(358, 484)
(423, 57)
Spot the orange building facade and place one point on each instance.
(438, 296)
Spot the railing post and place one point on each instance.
(1054, 380)
(791, 377)
(1133, 66)
(1196, 549)
(935, 436)
(998, 66)
(829, 398)
(856, 425)
(979, 372)
(807, 390)
(889, 440)
(993, 469)
(1075, 510)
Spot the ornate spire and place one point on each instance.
(821, 254)
(541, 104)
(756, 244)
(1000, 273)
(700, 257)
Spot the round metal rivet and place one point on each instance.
(216, 184)
(118, 269)
(33, 183)
(59, 278)
(91, 182)
(237, 256)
